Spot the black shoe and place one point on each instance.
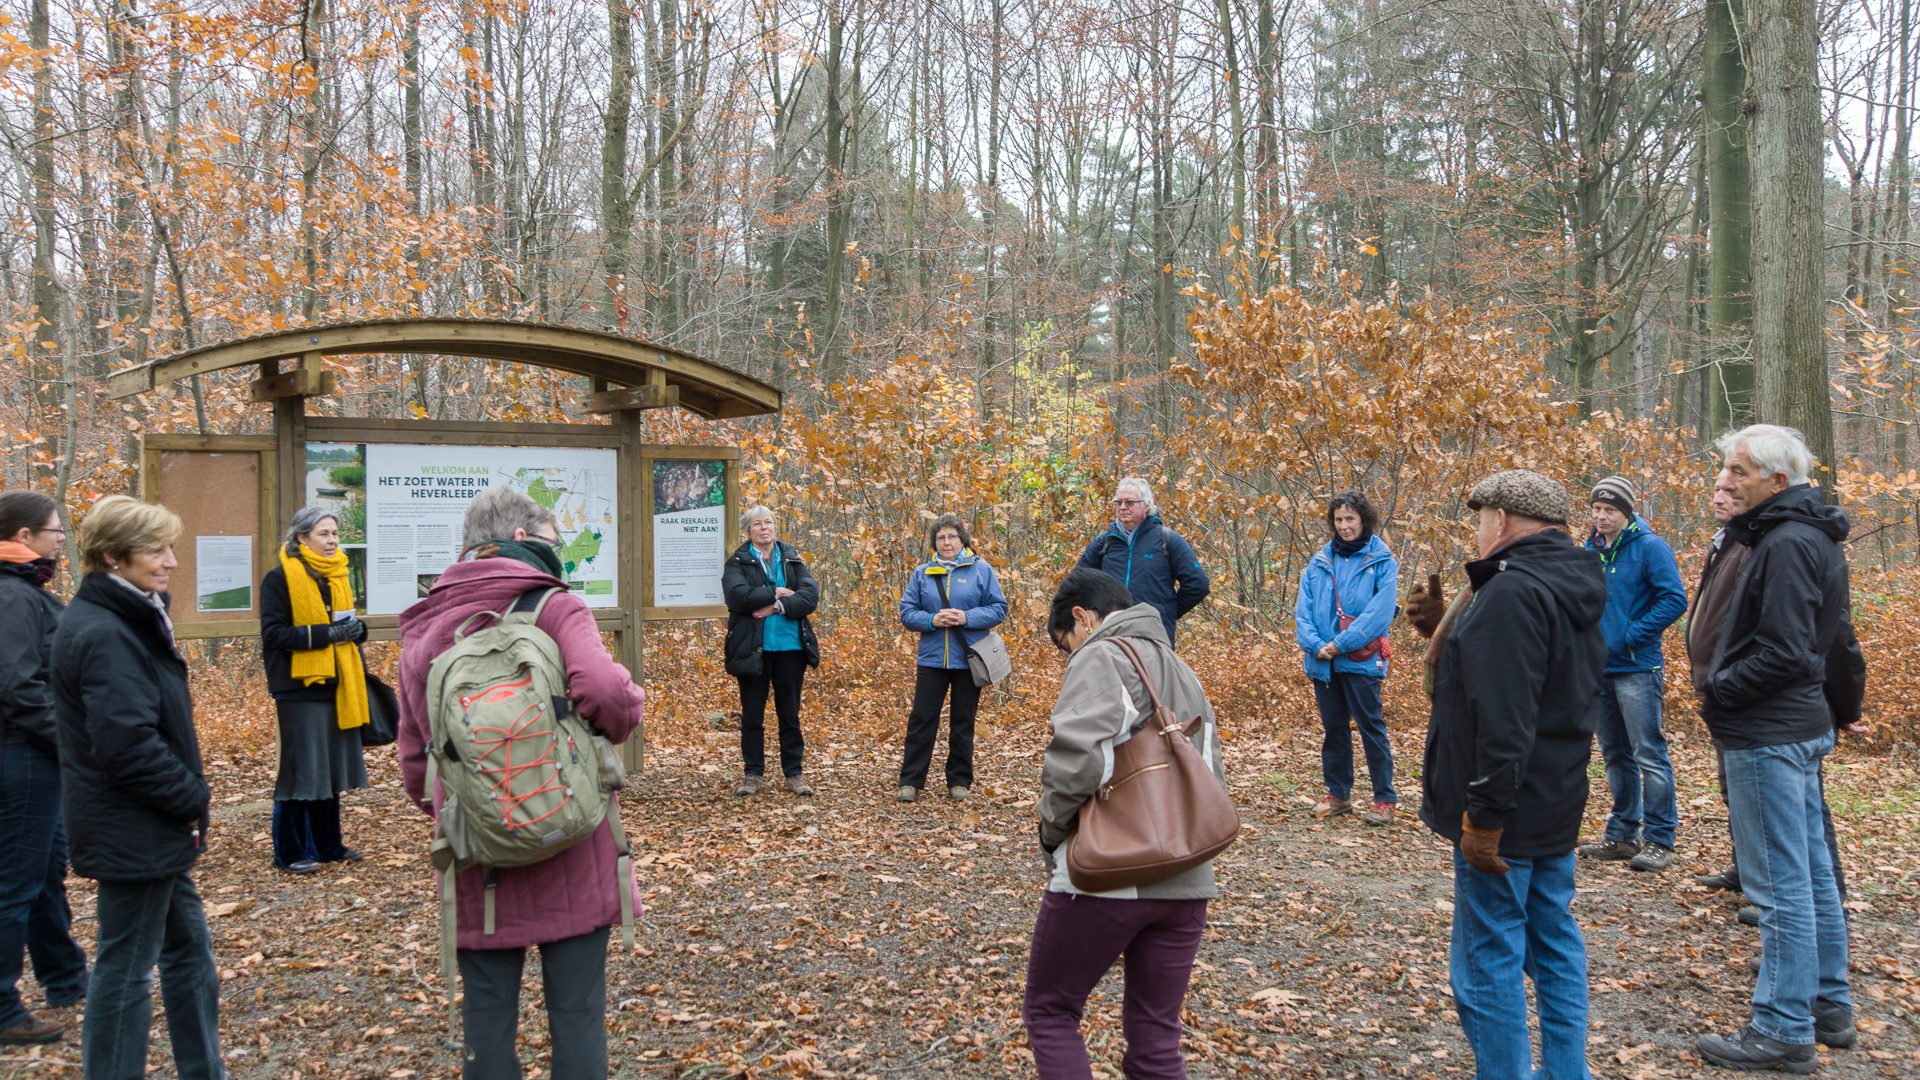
(349, 855)
(1727, 880)
(1609, 850)
(1748, 1050)
(304, 866)
(1833, 1025)
(1749, 915)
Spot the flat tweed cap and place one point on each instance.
(1528, 494)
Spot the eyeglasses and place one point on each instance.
(1124, 503)
(550, 541)
(55, 529)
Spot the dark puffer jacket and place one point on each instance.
(747, 590)
(1767, 682)
(132, 786)
(1513, 692)
(33, 614)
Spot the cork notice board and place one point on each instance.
(221, 486)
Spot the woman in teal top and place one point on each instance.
(770, 645)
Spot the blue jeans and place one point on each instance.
(1520, 922)
(1775, 807)
(1639, 772)
(143, 923)
(1355, 698)
(34, 917)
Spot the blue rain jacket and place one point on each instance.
(973, 588)
(1644, 596)
(1155, 564)
(1369, 583)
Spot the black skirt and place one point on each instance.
(317, 759)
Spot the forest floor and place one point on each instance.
(851, 935)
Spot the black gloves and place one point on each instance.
(345, 630)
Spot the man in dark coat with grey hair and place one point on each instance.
(1515, 663)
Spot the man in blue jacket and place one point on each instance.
(1644, 597)
(1151, 560)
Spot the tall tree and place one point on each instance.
(1789, 295)
(1729, 377)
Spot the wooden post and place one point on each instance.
(290, 457)
(637, 533)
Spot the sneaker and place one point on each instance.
(1727, 880)
(906, 793)
(1749, 916)
(750, 784)
(959, 793)
(31, 1030)
(1653, 858)
(1329, 806)
(1609, 850)
(1382, 814)
(1833, 1024)
(1748, 1050)
(798, 785)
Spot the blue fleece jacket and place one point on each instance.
(973, 588)
(1156, 566)
(1369, 586)
(1644, 596)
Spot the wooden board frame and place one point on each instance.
(188, 625)
(647, 456)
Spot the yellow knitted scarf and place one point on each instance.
(340, 662)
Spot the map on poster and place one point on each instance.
(417, 496)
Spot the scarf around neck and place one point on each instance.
(12, 551)
(340, 662)
(1350, 548)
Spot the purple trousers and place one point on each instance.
(1075, 941)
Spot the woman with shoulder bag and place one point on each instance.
(1349, 595)
(135, 796)
(310, 645)
(953, 601)
(1156, 926)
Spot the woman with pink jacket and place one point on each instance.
(565, 904)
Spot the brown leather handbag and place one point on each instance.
(1163, 810)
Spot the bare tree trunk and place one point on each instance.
(44, 349)
(1790, 345)
(1729, 379)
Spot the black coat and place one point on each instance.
(1767, 682)
(747, 590)
(132, 786)
(279, 637)
(1513, 698)
(26, 648)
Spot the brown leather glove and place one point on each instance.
(1481, 847)
(1425, 606)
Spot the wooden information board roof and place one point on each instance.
(658, 376)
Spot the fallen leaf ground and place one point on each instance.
(850, 935)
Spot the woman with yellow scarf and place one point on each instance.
(310, 642)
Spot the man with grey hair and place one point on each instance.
(1764, 702)
(1155, 563)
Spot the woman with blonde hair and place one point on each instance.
(135, 796)
(310, 646)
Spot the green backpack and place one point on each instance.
(526, 777)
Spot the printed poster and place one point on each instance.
(223, 573)
(416, 501)
(689, 532)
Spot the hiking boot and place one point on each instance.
(959, 793)
(906, 793)
(750, 784)
(1833, 1024)
(31, 1030)
(1727, 880)
(1609, 850)
(1749, 916)
(1748, 1050)
(1382, 814)
(1329, 806)
(1653, 858)
(798, 785)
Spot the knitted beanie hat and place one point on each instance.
(1616, 492)
(1528, 494)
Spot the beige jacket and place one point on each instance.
(1101, 700)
